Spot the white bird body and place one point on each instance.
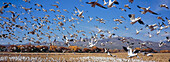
(110, 4)
(130, 53)
(80, 13)
(146, 10)
(158, 32)
(137, 31)
(91, 43)
(134, 20)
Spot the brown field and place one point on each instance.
(80, 57)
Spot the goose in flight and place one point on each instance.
(158, 32)
(164, 5)
(137, 31)
(80, 13)
(111, 3)
(55, 6)
(160, 18)
(123, 17)
(134, 20)
(130, 52)
(93, 4)
(127, 6)
(119, 20)
(162, 43)
(1, 9)
(150, 35)
(122, 9)
(104, 2)
(152, 27)
(168, 39)
(93, 41)
(39, 5)
(146, 10)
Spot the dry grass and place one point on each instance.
(158, 57)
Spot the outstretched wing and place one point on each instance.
(141, 22)
(152, 12)
(90, 2)
(141, 7)
(125, 48)
(136, 51)
(167, 37)
(101, 6)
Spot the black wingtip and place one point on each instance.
(138, 6)
(87, 2)
(116, 3)
(105, 8)
(130, 15)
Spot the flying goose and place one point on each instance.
(111, 3)
(122, 9)
(93, 4)
(160, 18)
(137, 31)
(162, 43)
(39, 5)
(130, 52)
(123, 17)
(127, 6)
(146, 10)
(93, 41)
(168, 39)
(55, 6)
(158, 32)
(134, 20)
(164, 5)
(150, 35)
(152, 27)
(118, 20)
(80, 13)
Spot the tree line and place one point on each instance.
(70, 49)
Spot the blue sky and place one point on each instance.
(107, 14)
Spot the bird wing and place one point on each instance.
(136, 51)
(77, 9)
(152, 12)
(115, 2)
(140, 21)
(163, 24)
(55, 6)
(90, 2)
(166, 18)
(125, 48)
(167, 37)
(101, 6)
(141, 7)
(132, 16)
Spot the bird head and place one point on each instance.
(148, 8)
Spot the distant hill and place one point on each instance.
(116, 44)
